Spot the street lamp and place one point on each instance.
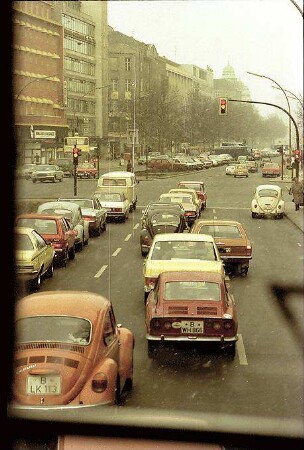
(293, 96)
(284, 92)
(33, 81)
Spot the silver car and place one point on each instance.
(116, 204)
(47, 172)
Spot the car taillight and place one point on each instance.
(216, 325)
(117, 209)
(167, 325)
(150, 282)
(99, 382)
(156, 324)
(228, 324)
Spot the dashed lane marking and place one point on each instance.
(128, 237)
(116, 252)
(98, 274)
(136, 226)
(241, 351)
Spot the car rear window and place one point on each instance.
(268, 193)
(174, 250)
(191, 290)
(53, 329)
(43, 226)
(114, 182)
(108, 197)
(221, 231)
(23, 242)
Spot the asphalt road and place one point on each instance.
(266, 376)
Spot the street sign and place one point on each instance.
(44, 134)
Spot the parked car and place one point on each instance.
(230, 169)
(191, 209)
(116, 204)
(72, 212)
(82, 357)
(86, 170)
(174, 207)
(34, 257)
(25, 171)
(196, 199)
(180, 251)
(47, 172)
(160, 221)
(199, 187)
(66, 165)
(271, 170)
(241, 170)
(191, 306)
(268, 202)
(54, 229)
(206, 161)
(232, 242)
(142, 160)
(92, 212)
(120, 182)
(252, 166)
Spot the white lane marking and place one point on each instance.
(241, 351)
(100, 271)
(116, 252)
(128, 237)
(136, 226)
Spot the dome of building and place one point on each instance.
(228, 73)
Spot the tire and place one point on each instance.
(98, 231)
(60, 180)
(230, 349)
(104, 226)
(79, 246)
(64, 259)
(124, 218)
(50, 272)
(71, 252)
(36, 284)
(117, 392)
(253, 215)
(152, 347)
(244, 272)
(34, 181)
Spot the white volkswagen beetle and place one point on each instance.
(267, 202)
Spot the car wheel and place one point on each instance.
(34, 181)
(50, 272)
(60, 179)
(98, 231)
(117, 392)
(229, 349)
(124, 217)
(244, 272)
(85, 242)
(104, 226)
(64, 259)
(36, 283)
(71, 252)
(79, 246)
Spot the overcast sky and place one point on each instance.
(261, 36)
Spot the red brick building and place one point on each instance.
(38, 80)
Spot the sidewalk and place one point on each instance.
(296, 217)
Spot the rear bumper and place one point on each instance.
(235, 259)
(164, 338)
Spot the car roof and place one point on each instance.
(194, 275)
(119, 174)
(75, 198)
(183, 237)
(59, 204)
(217, 222)
(172, 194)
(181, 190)
(191, 182)
(268, 186)
(39, 216)
(77, 303)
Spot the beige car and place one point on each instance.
(34, 257)
(179, 251)
(241, 170)
(196, 200)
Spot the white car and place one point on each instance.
(115, 203)
(230, 169)
(268, 202)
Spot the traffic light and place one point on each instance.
(223, 106)
(280, 149)
(76, 153)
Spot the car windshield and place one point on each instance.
(114, 182)
(160, 218)
(176, 199)
(23, 242)
(268, 193)
(43, 226)
(46, 168)
(108, 197)
(53, 329)
(164, 250)
(221, 231)
(191, 290)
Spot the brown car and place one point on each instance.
(69, 351)
(232, 242)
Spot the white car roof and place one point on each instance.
(183, 237)
(118, 174)
(274, 187)
(59, 204)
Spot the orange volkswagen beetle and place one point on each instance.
(69, 351)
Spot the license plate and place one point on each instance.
(228, 249)
(43, 385)
(192, 327)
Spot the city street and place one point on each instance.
(266, 376)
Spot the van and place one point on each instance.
(121, 182)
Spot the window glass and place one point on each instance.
(109, 329)
(23, 242)
(223, 231)
(192, 290)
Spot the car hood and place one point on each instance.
(153, 268)
(71, 365)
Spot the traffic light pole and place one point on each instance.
(289, 115)
(75, 180)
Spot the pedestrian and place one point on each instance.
(296, 190)
(129, 166)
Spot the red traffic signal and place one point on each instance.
(76, 153)
(223, 106)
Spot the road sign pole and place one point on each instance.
(75, 180)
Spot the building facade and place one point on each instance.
(230, 86)
(39, 119)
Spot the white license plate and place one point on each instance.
(228, 249)
(43, 385)
(192, 327)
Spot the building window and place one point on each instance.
(114, 85)
(114, 63)
(128, 85)
(79, 46)
(71, 23)
(77, 65)
(128, 64)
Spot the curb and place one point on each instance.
(295, 224)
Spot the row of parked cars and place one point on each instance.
(54, 173)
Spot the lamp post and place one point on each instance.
(293, 96)
(284, 92)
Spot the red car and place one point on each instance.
(199, 187)
(191, 306)
(54, 229)
(271, 170)
(87, 170)
(69, 351)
